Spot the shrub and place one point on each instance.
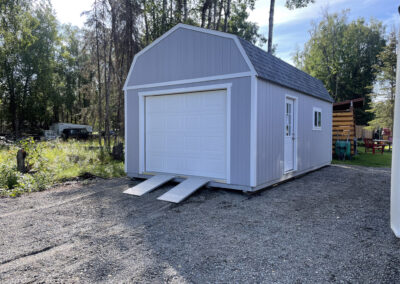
(9, 176)
(52, 162)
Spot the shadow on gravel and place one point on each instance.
(329, 226)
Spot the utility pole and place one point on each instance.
(395, 181)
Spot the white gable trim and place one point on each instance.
(188, 81)
(197, 29)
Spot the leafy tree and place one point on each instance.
(51, 72)
(291, 4)
(15, 37)
(239, 25)
(296, 4)
(342, 55)
(383, 104)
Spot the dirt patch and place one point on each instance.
(329, 226)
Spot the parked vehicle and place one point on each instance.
(49, 135)
(58, 128)
(75, 133)
(112, 133)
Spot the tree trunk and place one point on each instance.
(21, 166)
(214, 14)
(98, 73)
(271, 25)
(178, 11)
(146, 22)
(209, 15)
(221, 3)
(185, 11)
(227, 14)
(164, 16)
(204, 12)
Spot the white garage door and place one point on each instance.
(186, 134)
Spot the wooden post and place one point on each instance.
(21, 155)
(395, 181)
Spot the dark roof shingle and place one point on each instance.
(278, 71)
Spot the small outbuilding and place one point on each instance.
(203, 103)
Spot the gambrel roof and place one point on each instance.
(261, 64)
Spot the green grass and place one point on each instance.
(368, 159)
(54, 162)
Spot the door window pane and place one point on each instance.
(288, 124)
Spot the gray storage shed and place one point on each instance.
(202, 103)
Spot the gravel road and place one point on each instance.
(331, 225)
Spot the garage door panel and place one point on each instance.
(173, 122)
(174, 143)
(155, 142)
(186, 134)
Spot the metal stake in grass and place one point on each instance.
(395, 181)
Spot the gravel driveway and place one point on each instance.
(331, 225)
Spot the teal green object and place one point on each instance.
(340, 149)
(348, 150)
(343, 149)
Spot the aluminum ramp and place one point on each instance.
(184, 189)
(149, 185)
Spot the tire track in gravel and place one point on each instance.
(27, 258)
(57, 204)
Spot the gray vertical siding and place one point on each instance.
(240, 127)
(313, 146)
(186, 54)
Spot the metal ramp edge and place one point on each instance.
(184, 189)
(149, 184)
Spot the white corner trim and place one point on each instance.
(188, 81)
(253, 132)
(142, 106)
(197, 29)
(126, 132)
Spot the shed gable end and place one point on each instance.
(187, 54)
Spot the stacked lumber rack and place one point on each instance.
(343, 128)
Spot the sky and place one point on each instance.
(291, 27)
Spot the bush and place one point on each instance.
(52, 162)
(9, 176)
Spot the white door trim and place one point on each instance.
(142, 135)
(295, 128)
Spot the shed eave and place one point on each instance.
(288, 87)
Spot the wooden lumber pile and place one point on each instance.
(343, 128)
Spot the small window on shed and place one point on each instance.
(317, 118)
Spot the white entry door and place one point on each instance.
(187, 134)
(289, 147)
